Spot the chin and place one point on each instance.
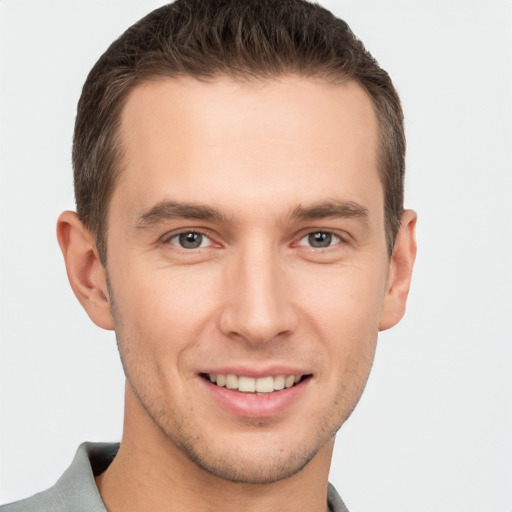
(250, 468)
(259, 455)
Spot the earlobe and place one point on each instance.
(86, 274)
(400, 272)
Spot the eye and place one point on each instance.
(320, 239)
(190, 240)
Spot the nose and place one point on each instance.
(257, 303)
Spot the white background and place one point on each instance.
(433, 430)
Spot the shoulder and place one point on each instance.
(76, 489)
(45, 501)
(334, 501)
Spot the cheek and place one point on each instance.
(344, 299)
(162, 310)
(343, 311)
(350, 331)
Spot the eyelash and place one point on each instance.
(332, 236)
(168, 239)
(328, 234)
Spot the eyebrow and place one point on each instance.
(330, 209)
(170, 210)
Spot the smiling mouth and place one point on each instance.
(259, 386)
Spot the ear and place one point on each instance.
(400, 272)
(86, 274)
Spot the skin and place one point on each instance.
(276, 160)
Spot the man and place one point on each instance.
(240, 225)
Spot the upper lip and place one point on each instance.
(251, 371)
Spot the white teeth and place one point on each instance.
(279, 382)
(265, 384)
(231, 381)
(260, 386)
(289, 381)
(247, 384)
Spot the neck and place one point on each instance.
(151, 473)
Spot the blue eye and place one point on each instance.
(320, 239)
(190, 240)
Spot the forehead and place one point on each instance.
(230, 142)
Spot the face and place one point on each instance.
(247, 265)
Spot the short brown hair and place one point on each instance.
(243, 39)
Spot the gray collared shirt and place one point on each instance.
(76, 489)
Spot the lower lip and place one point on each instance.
(251, 405)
